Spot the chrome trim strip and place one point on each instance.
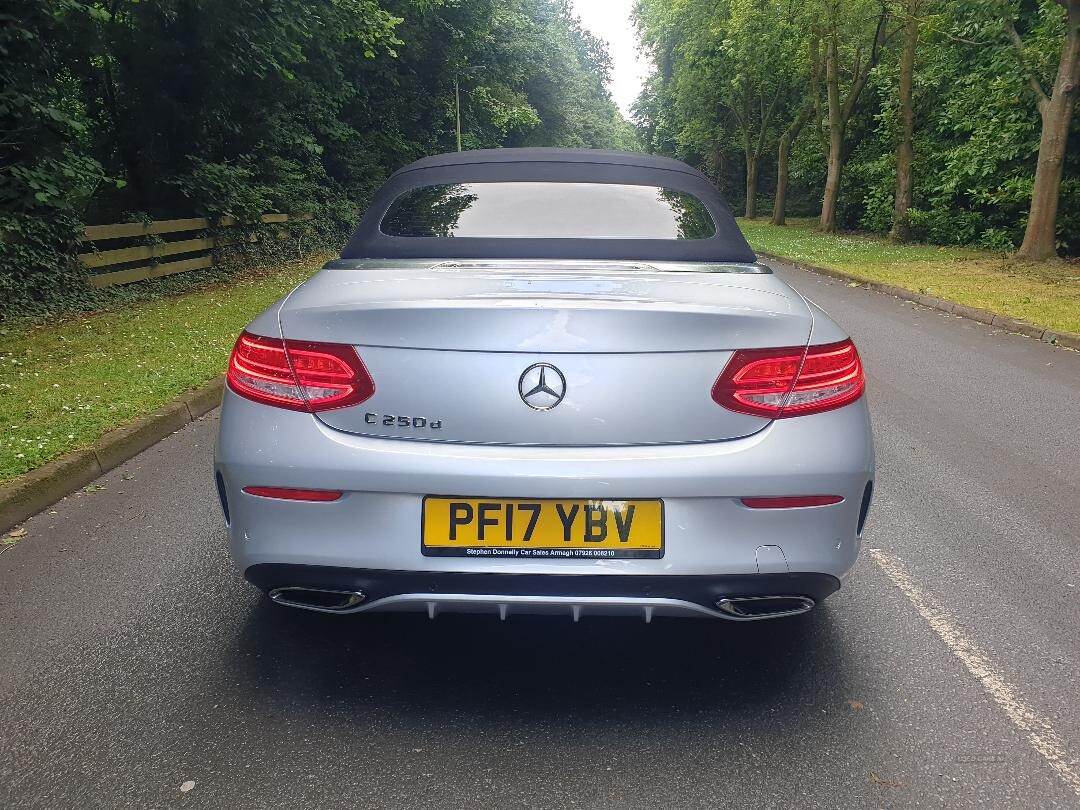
(574, 605)
(502, 604)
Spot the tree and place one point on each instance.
(731, 75)
(846, 35)
(904, 147)
(1055, 112)
(938, 144)
(239, 107)
(809, 106)
(761, 41)
(46, 172)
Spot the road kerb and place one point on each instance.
(30, 493)
(203, 400)
(971, 313)
(1018, 326)
(38, 489)
(1067, 339)
(117, 446)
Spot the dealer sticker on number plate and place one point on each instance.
(496, 527)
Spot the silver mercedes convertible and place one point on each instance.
(546, 381)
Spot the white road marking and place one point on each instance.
(1040, 733)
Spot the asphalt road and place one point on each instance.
(946, 672)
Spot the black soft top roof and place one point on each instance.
(549, 165)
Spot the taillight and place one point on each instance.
(299, 375)
(778, 383)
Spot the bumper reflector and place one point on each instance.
(291, 494)
(791, 501)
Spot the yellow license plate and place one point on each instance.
(498, 527)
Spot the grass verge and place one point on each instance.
(65, 384)
(1044, 293)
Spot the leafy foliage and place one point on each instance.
(120, 109)
(977, 133)
(977, 125)
(45, 174)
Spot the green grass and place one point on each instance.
(1044, 293)
(64, 384)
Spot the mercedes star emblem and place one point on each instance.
(542, 386)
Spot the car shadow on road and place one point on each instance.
(534, 667)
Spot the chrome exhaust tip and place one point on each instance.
(751, 608)
(319, 599)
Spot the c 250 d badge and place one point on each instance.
(390, 420)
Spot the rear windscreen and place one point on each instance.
(548, 210)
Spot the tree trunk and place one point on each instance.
(812, 109)
(840, 112)
(905, 152)
(751, 184)
(832, 180)
(783, 153)
(835, 155)
(129, 155)
(1056, 112)
(718, 164)
(779, 209)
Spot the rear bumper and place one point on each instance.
(708, 532)
(509, 593)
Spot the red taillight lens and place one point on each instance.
(778, 383)
(758, 381)
(293, 494)
(298, 375)
(831, 376)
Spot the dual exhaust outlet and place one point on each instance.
(749, 608)
(736, 608)
(320, 599)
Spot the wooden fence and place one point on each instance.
(183, 251)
